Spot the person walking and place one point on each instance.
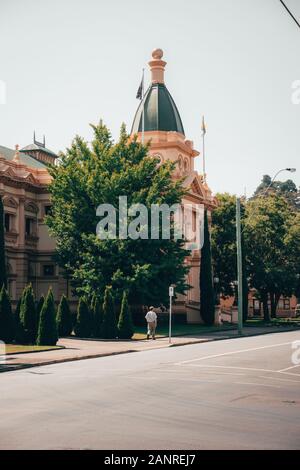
(151, 319)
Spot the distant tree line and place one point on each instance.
(271, 244)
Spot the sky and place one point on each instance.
(68, 63)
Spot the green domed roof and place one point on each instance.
(160, 111)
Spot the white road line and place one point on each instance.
(232, 352)
(257, 384)
(288, 368)
(176, 371)
(233, 367)
(277, 378)
(224, 373)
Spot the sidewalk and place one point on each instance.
(76, 349)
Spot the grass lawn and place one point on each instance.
(19, 348)
(274, 322)
(179, 330)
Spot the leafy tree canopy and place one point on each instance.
(91, 175)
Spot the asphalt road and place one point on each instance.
(233, 394)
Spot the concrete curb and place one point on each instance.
(116, 353)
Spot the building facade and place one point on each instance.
(158, 121)
(24, 181)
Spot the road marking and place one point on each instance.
(182, 379)
(232, 352)
(277, 378)
(257, 384)
(288, 368)
(233, 367)
(224, 373)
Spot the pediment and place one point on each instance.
(30, 179)
(9, 172)
(194, 184)
(10, 202)
(31, 207)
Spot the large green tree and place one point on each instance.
(223, 243)
(224, 252)
(287, 188)
(272, 235)
(3, 278)
(207, 296)
(89, 175)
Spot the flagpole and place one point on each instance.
(143, 114)
(203, 148)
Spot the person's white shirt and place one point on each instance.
(151, 316)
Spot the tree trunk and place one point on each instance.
(265, 307)
(277, 297)
(235, 298)
(273, 305)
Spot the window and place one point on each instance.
(47, 209)
(180, 162)
(31, 269)
(159, 157)
(48, 270)
(284, 304)
(28, 226)
(7, 222)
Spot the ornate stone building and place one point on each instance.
(23, 186)
(158, 119)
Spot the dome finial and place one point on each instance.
(157, 66)
(157, 54)
(17, 154)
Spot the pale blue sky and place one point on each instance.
(70, 62)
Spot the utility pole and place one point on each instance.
(239, 265)
(171, 294)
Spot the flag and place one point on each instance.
(139, 95)
(203, 127)
(140, 92)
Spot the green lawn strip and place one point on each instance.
(181, 330)
(273, 322)
(20, 349)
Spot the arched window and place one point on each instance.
(158, 156)
(186, 165)
(180, 163)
